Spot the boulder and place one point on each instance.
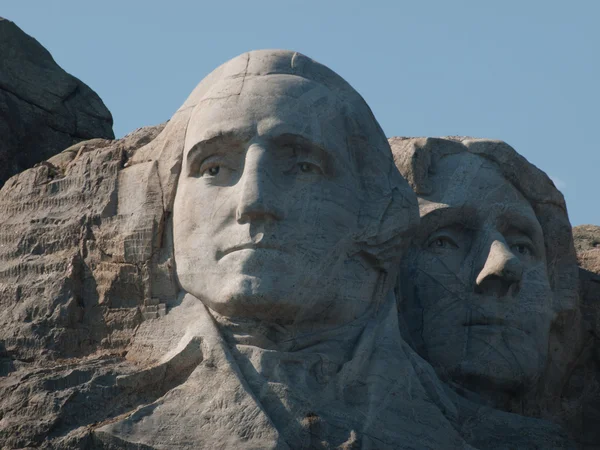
(43, 109)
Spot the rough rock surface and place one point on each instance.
(587, 244)
(43, 109)
(227, 282)
(74, 284)
(469, 261)
(584, 383)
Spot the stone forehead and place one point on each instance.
(390, 208)
(468, 178)
(261, 63)
(278, 92)
(416, 158)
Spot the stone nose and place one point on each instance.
(502, 270)
(258, 192)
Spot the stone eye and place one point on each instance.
(522, 249)
(308, 168)
(442, 243)
(213, 171)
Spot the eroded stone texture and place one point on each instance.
(587, 244)
(259, 235)
(43, 109)
(279, 362)
(75, 270)
(584, 382)
(490, 285)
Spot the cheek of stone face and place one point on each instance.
(321, 217)
(508, 353)
(442, 297)
(532, 311)
(313, 237)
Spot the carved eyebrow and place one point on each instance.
(449, 215)
(514, 220)
(445, 217)
(304, 144)
(216, 144)
(216, 141)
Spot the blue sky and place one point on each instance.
(527, 71)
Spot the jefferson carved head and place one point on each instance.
(287, 195)
(491, 266)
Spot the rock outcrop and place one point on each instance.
(582, 393)
(43, 109)
(587, 244)
(224, 281)
(74, 275)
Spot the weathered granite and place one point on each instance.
(230, 284)
(289, 221)
(75, 270)
(587, 244)
(583, 389)
(43, 109)
(490, 284)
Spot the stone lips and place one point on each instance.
(43, 109)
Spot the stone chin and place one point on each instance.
(501, 359)
(270, 296)
(486, 376)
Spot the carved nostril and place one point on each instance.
(256, 205)
(257, 213)
(258, 197)
(497, 286)
(501, 270)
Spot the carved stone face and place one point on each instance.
(267, 204)
(477, 278)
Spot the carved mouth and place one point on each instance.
(484, 321)
(248, 246)
(477, 316)
(481, 321)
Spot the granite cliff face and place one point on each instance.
(587, 244)
(74, 281)
(106, 342)
(585, 378)
(43, 109)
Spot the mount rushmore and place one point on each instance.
(268, 270)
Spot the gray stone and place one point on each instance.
(490, 284)
(229, 284)
(43, 109)
(582, 391)
(74, 277)
(293, 351)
